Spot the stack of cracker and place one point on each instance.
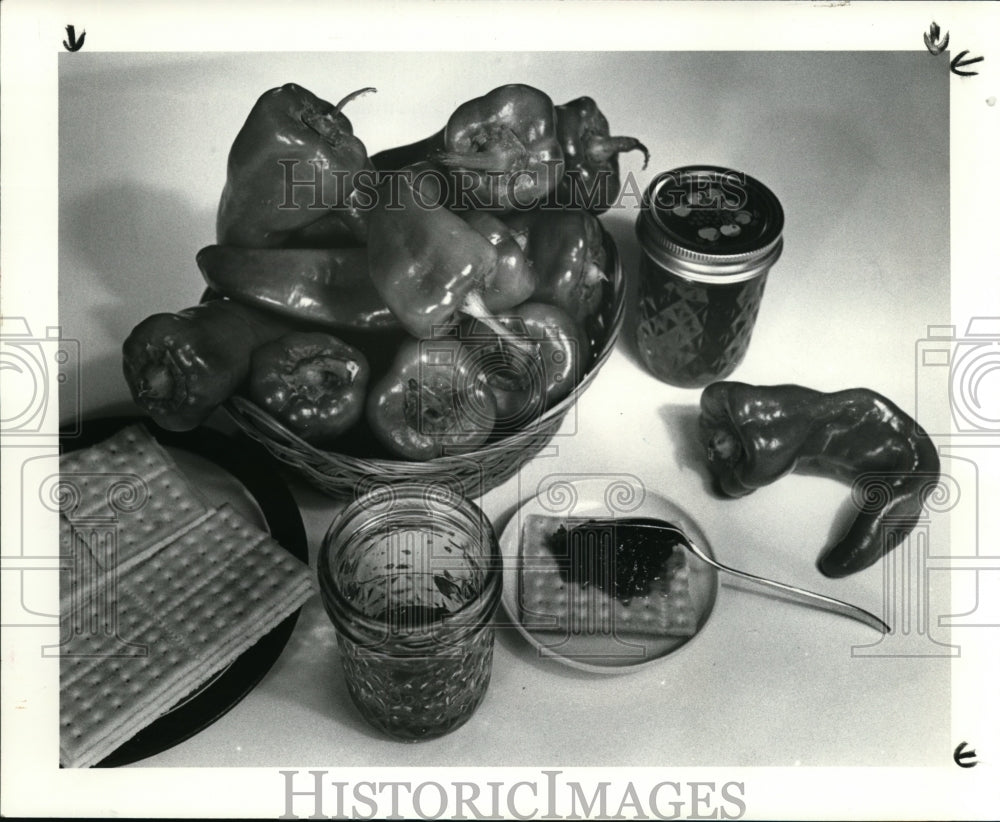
(550, 602)
(159, 591)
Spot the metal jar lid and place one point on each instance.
(710, 224)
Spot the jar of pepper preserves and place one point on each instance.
(709, 236)
(411, 577)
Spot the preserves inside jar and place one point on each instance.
(411, 583)
(408, 573)
(709, 235)
(691, 333)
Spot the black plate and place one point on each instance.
(259, 474)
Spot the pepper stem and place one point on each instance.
(601, 149)
(723, 447)
(478, 160)
(157, 383)
(354, 95)
(593, 273)
(506, 152)
(475, 307)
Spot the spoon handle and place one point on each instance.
(836, 605)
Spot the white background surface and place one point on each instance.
(856, 146)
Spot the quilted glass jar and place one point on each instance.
(411, 576)
(709, 236)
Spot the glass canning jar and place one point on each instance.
(411, 577)
(709, 236)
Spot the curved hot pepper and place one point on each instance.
(506, 142)
(313, 383)
(754, 435)
(526, 385)
(566, 248)
(292, 164)
(430, 404)
(329, 287)
(180, 367)
(592, 179)
(427, 262)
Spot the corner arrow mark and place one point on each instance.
(71, 43)
(960, 62)
(933, 40)
(961, 755)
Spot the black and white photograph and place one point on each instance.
(500, 410)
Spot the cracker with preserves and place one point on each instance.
(585, 601)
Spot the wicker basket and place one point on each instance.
(471, 474)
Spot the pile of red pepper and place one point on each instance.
(440, 294)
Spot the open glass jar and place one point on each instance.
(709, 236)
(411, 576)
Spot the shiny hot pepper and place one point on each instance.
(313, 383)
(592, 179)
(427, 262)
(430, 403)
(506, 142)
(754, 435)
(328, 287)
(525, 384)
(292, 165)
(512, 279)
(566, 248)
(180, 367)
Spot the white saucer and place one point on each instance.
(611, 497)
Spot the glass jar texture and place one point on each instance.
(709, 236)
(411, 577)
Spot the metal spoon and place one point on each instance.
(836, 605)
